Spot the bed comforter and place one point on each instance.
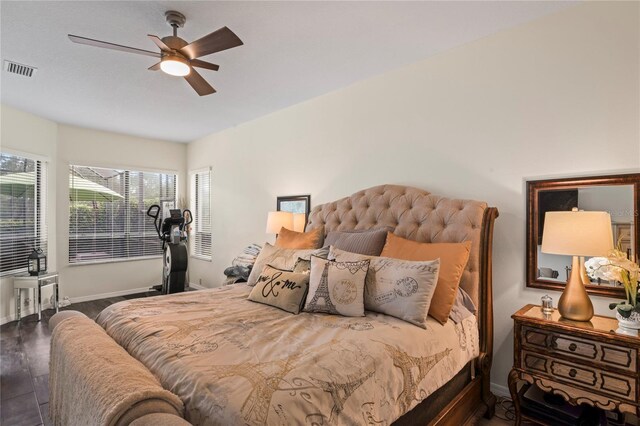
(233, 361)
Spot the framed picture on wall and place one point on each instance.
(295, 204)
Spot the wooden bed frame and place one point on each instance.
(474, 400)
(466, 397)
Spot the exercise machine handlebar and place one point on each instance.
(177, 218)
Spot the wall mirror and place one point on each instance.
(617, 194)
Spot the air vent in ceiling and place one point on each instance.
(20, 69)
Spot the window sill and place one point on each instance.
(12, 273)
(103, 261)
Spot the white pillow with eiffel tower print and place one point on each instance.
(336, 287)
(400, 288)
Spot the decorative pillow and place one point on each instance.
(463, 307)
(453, 259)
(336, 287)
(281, 258)
(400, 288)
(368, 242)
(282, 289)
(300, 240)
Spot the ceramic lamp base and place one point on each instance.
(574, 303)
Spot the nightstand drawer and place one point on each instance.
(580, 348)
(601, 381)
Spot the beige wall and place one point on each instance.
(27, 134)
(558, 96)
(97, 148)
(63, 145)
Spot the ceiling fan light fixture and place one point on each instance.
(175, 65)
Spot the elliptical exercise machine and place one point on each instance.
(171, 231)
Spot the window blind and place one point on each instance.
(108, 213)
(202, 214)
(23, 200)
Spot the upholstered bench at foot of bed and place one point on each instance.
(61, 316)
(89, 367)
(160, 419)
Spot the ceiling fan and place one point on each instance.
(177, 57)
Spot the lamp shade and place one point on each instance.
(299, 220)
(278, 220)
(577, 233)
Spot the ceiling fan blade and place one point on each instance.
(113, 46)
(154, 67)
(217, 41)
(202, 64)
(199, 84)
(159, 42)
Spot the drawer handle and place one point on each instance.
(573, 347)
(573, 372)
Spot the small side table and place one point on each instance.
(584, 362)
(36, 282)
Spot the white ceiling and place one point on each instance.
(293, 51)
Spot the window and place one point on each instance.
(201, 189)
(23, 225)
(108, 213)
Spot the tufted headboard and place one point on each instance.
(414, 214)
(418, 215)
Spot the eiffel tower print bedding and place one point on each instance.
(233, 361)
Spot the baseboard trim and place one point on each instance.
(197, 286)
(500, 390)
(30, 310)
(107, 295)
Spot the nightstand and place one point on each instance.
(584, 362)
(36, 282)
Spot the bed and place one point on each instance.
(233, 361)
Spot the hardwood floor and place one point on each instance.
(24, 363)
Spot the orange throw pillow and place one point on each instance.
(453, 259)
(300, 240)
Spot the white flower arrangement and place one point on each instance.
(617, 267)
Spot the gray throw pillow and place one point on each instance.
(400, 288)
(463, 307)
(281, 258)
(282, 289)
(368, 242)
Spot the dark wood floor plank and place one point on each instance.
(44, 413)
(36, 337)
(24, 347)
(14, 370)
(22, 410)
(9, 330)
(41, 387)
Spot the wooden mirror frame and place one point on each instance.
(533, 189)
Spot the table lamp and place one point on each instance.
(299, 221)
(278, 220)
(576, 233)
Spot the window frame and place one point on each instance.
(42, 166)
(126, 169)
(193, 175)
